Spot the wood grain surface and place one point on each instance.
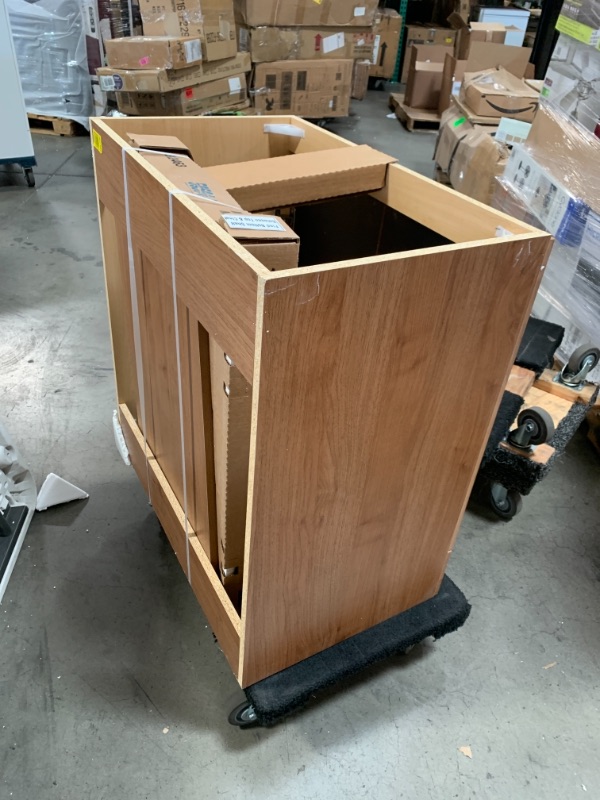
(363, 464)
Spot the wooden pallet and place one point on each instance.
(414, 119)
(53, 126)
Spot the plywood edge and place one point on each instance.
(406, 254)
(441, 208)
(260, 304)
(205, 583)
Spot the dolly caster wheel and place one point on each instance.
(29, 177)
(582, 361)
(534, 426)
(505, 503)
(243, 716)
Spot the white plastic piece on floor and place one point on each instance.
(56, 490)
(120, 439)
(284, 129)
(17, 488)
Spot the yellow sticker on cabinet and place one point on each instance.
(97, 141)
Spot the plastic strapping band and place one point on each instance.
(136, 325)
(137, 336)
(179, 382)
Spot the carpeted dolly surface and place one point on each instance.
(538, 345)
(279, 695)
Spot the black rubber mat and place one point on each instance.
(279, 695)
(538, 345)
(11, 524)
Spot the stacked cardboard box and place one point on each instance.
(438, 58)
(309, 58)
(186, 63)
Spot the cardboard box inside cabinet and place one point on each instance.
(497, 93)
(163, 144)
(156, 52)
(425, 76)
(336, 13)
(113, 79)
(423, 35)
(301, 177)
(215, 95)
(580, 19)
(212, 21)
(306, 88)
(481, 56)
(262, 233)
(360, 79)
(478, 160)
(282, 44)
(388, 24)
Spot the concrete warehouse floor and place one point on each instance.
(111, 685)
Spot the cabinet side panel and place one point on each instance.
(378, 388)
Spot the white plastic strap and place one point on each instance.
(137, 333)
(179, 381)
(137, 336)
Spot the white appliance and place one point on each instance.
(16, 146)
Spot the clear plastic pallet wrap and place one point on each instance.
(51, 55)
(552, 181)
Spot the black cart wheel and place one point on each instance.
(505, 503)
(29, 177)
(243, 716)
(539, 422)
(585, 356)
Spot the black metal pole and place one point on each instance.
(546, 37)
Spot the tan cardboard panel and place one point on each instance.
(387, 26)
(315, 88)
(303, 177)
(306, 12)
(153, 52)
(210, 20)
(218, 94)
